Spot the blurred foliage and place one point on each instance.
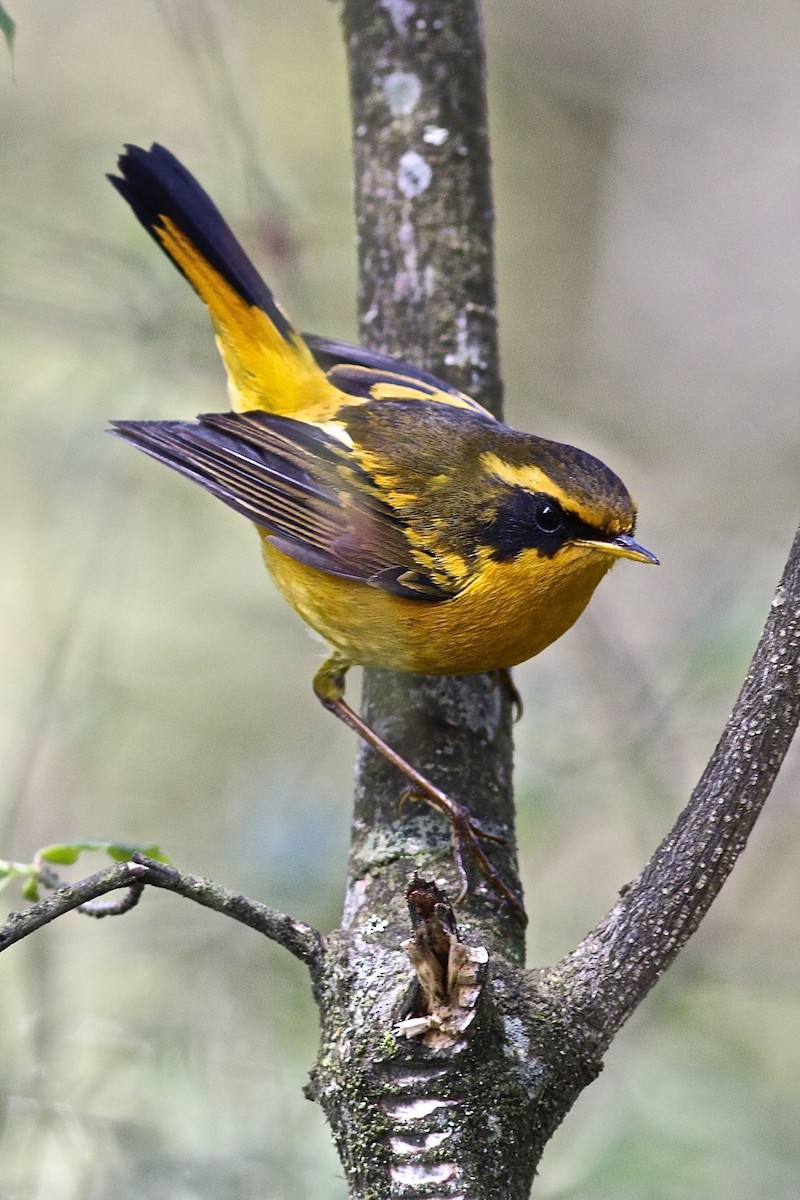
(37, 876)
(7, 28)
(154, 687)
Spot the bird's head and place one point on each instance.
(554, 499)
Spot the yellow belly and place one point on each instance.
(511, 611)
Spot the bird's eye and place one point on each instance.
(548, 516)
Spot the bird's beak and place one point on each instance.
(624, 546)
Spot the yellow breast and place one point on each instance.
(509, 612)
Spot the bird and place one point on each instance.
(405, 524)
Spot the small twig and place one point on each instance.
(68, 897)
(299, 939)
(114, 908)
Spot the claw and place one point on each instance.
(479, 831)
(464, 832)
(410, 795)
(502, 678)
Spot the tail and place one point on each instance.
(269, 365)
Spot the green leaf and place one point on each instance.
(122, 851)
(30, 890)
(67, 853)
(35, 874)
(7, 28)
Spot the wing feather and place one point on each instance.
(367, 375)
(302, 486)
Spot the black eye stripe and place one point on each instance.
(530, 520)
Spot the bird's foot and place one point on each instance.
(466, 835)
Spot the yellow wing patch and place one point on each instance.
(409, 389)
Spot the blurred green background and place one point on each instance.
(153, 687)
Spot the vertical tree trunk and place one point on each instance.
(411, 1120)
(426, 293)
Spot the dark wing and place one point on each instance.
(301, 485)
(367, 375)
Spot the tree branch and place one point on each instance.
(299, 939)
(633, 945)
(69, 897)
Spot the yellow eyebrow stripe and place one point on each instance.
(530, 477)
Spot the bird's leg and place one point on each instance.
(465, 833)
